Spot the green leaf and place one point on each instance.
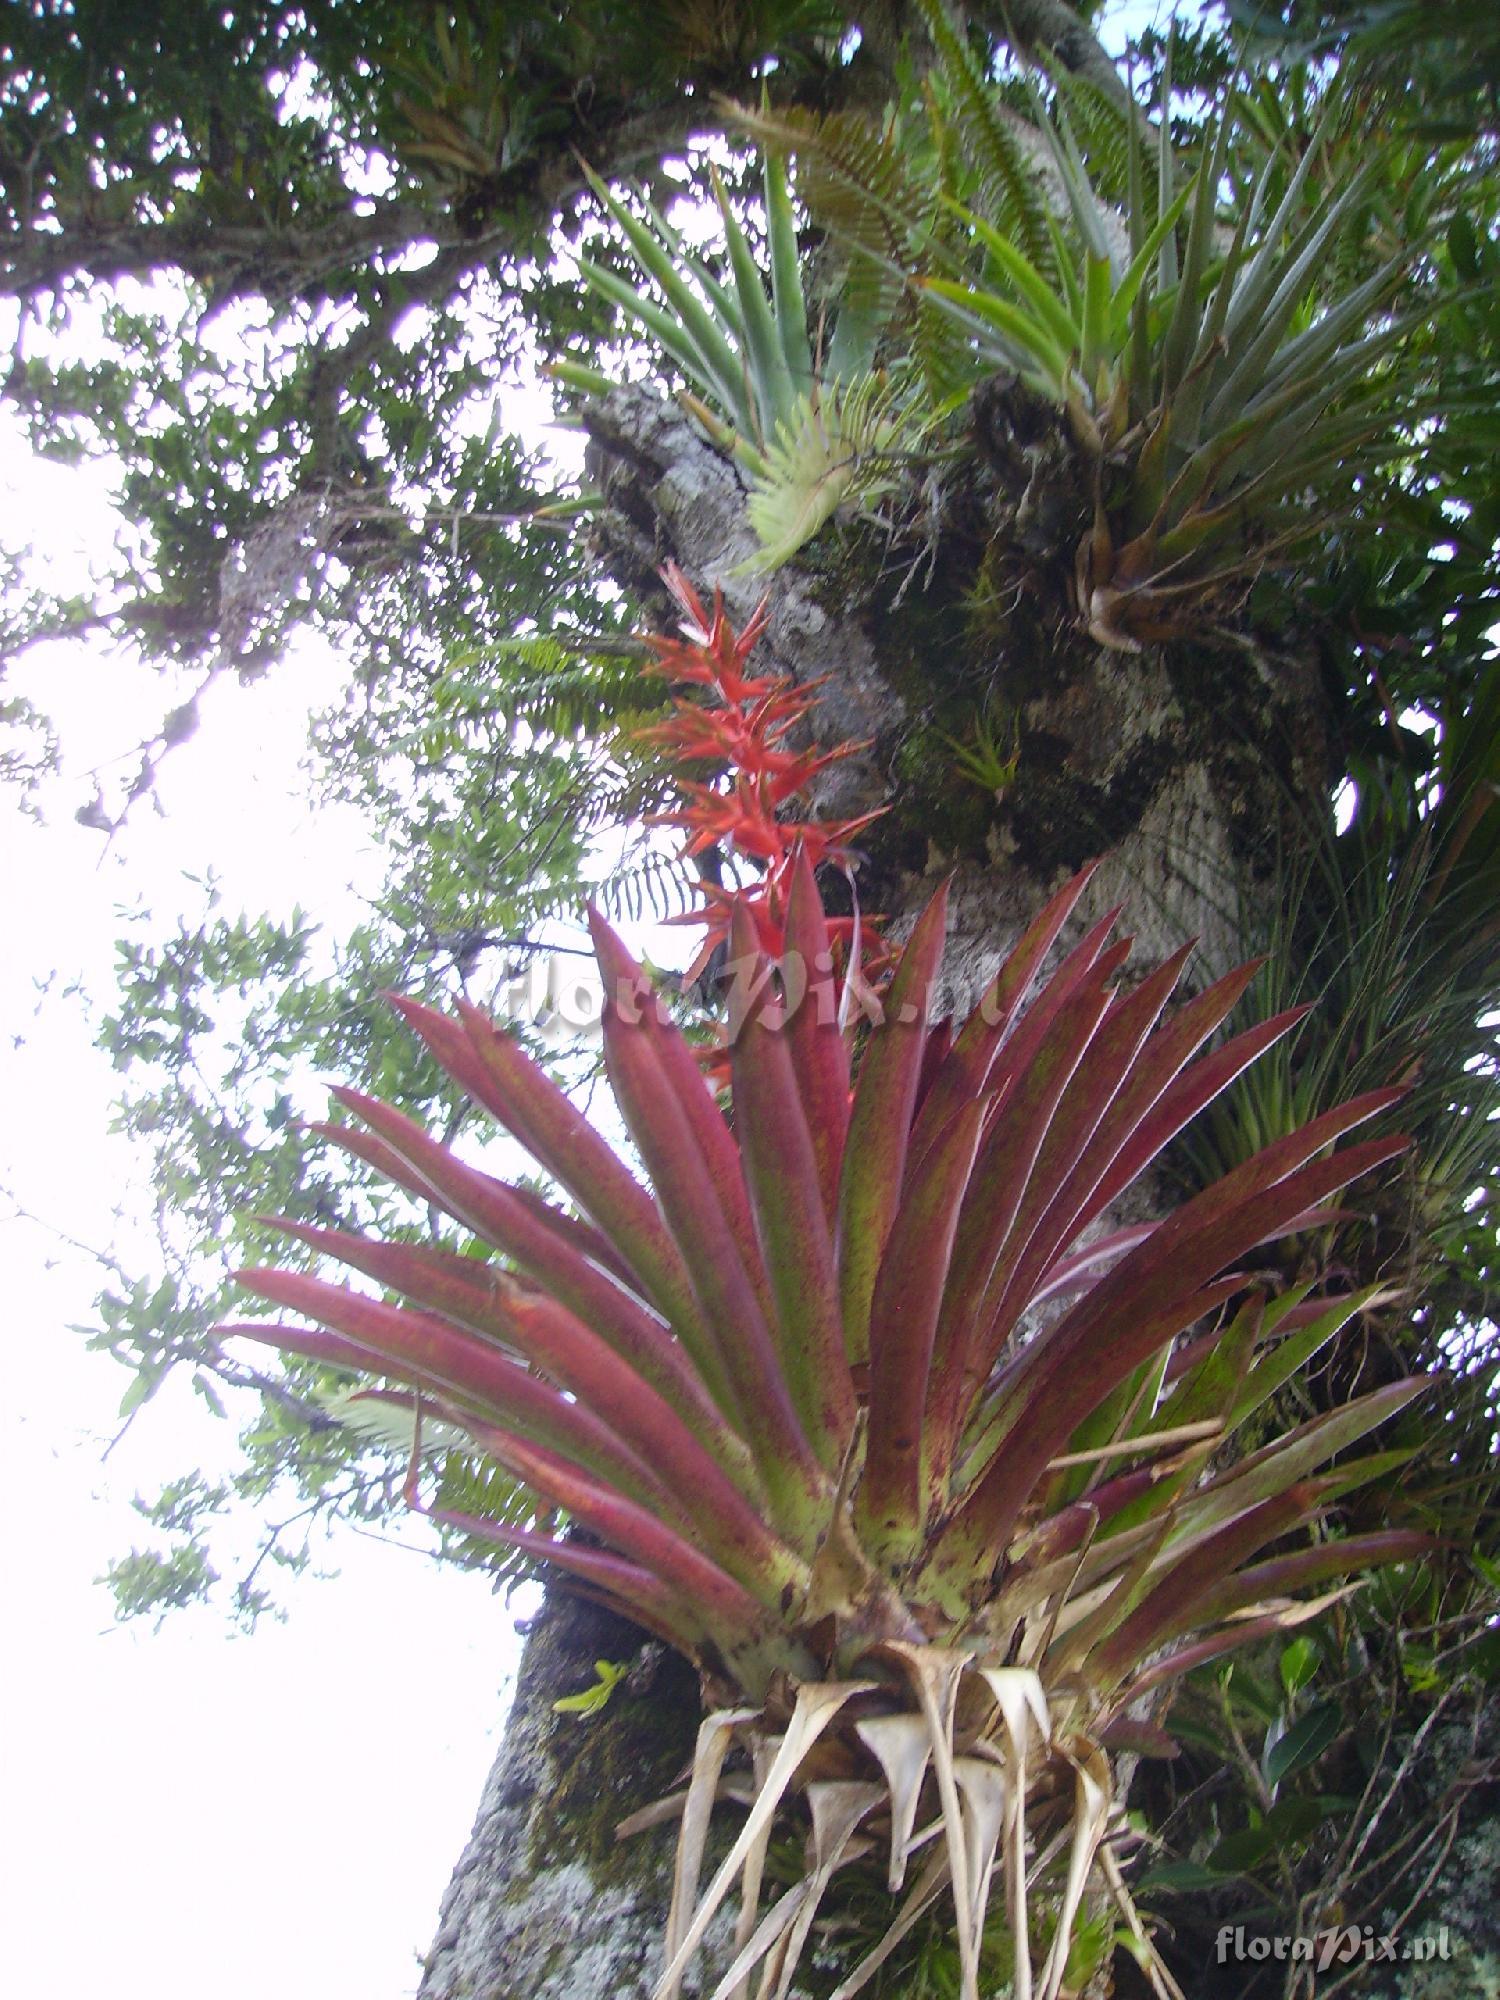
(1019, 338)
(1298, 1663)
(1463, 248)
(1180, 1877)
(1239, 1852)
(787, 301)
(590, 1700)
(1025, 277)
(771, 379)
(1096, 296)
(1305, 1742)
(143, 1386)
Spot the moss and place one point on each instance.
(604, 1766)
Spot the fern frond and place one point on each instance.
(474, 1488)
(649, 884)
(1009, 193)
(1106, 131)
(565, 689)
(859, 186)
(389, 1420)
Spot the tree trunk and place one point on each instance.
(1176, 765)
(544, 1901)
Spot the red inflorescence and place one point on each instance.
(745, 733)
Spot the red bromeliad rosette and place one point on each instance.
(933, 1550)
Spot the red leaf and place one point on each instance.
(636, 998)
(1148, 1298)
(904, 1314)
(625, 1586)
(500, 1215)
(819, 1052)
(743, 1348)
(637, 1534)
(1284, 1576)
(996, 1193)
(492, 1304)
(420, 1349)
(880, 1124)
(963, 1075)
(1178, 1602)
(791, 1222)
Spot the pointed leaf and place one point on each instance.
(498, 1075)
(908, 1298)
(427, 1352)
(742, 1340)
(820, 1054)
(880, 1123)
(818, 1702)
(904, 1749)
(789, 308)
(964, 1074)
(638, 1000)
(791, 1222)
(528, 1231)
(715, 1736)
(1145, 1300)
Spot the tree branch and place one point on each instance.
(1055, 28)
(280, 263)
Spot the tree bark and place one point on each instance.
(544, 1901)
(1173, 764)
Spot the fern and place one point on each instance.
(1009, 194)
(565, 689)
(649, 883)
(858, 185)
(478, 1489)
(1106, 133)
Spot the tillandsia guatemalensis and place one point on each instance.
(865, 1399)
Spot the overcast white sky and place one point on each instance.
(187, 1811)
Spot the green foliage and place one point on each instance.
(147, 1582)
(1390, 929)
(796, 402)
(593, 1699)
(1208, 372)
(1438, 67)
(1311, 1777)
(219, 1033)
(991, 755)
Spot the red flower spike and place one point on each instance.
(745, 734)
(696, 618)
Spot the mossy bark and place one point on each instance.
(545, 1902)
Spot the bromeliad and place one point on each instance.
(869, 1407)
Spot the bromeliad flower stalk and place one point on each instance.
(742, 730)
(868, 1406)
